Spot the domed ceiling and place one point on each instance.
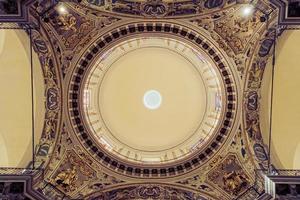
(154, 96)
(152, 99)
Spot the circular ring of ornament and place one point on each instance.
(152, 100)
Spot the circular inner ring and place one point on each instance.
(152, 100)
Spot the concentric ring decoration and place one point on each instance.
(130, 165)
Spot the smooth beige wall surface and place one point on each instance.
(15, 99)
(285, 149)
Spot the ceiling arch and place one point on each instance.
(16, 111)
(285, 141)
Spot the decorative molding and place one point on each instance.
(285, 17)
(159, 8)
(150, 191)
(18, 187)
(15, 10)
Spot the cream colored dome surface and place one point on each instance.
(185, 84)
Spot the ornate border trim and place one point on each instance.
(150, 190)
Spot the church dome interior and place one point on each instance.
(149, 99)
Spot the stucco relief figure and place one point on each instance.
(67, 22)
(49, 129)
(237, 30)
(234, 182)
(230, 176)
(67, 178)
(187, 6)
(253, 128)
(231, 36)
(49, 126)
(240, 61)
(47, 68)
(246, 26)
(73, 174)
(205, 22)
(97, 2)
(105, 21)
(122, 6)
(256, 74)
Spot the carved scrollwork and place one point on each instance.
(252, 100)
(154, 8)
(52, 99)
(150, 191)
(52, 96)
